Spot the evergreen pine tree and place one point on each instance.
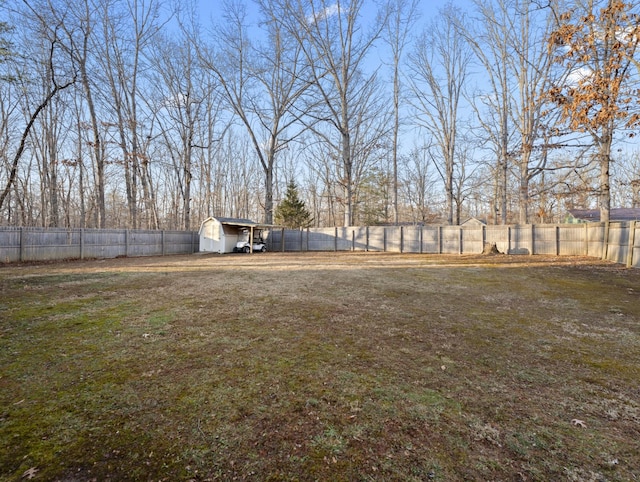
(292, 212)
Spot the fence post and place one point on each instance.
(126, 242)
(605, 241)
(307, 239)
(484, 237)
(22, 245)
(421, 238)
(557, 240)
(533, 239)
(439, 239)
(460, 241)
(632, 242)
(353, 240)
(384, 240)
(367, 237)
(586, 239)
(508, 239)
(162, 241)
(402, 239)
(282, 240)
(81, 243)
(335, 239)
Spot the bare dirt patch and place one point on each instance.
(320, 366)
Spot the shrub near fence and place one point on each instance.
(44, 244)
(618, 242)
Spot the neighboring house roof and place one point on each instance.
(618, 214)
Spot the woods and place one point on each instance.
(152, 114)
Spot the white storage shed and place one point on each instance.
(221, 235)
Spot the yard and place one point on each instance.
(320, 366)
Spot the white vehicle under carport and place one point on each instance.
(244, 243)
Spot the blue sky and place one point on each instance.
(427, 8)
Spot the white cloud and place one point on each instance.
(330, 11)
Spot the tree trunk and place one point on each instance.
(604, 201)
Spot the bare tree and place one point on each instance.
(76, 23)
(262, 83)
(180, 99)
(489, 40)
(336, 47)
(128, 30)
(531, 66)
(54, 87)
(440, 66)
(404, 16)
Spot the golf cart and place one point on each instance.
(244, 243)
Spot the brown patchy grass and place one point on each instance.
(323, 366)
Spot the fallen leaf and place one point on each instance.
(30, 474)
(579, 423)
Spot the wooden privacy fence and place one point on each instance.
(44, 244)
(618, 242)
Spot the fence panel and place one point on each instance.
(411, 239)
(618, 242)
(472, 239)
(104, 243)
(623, 246)
(322, 239)
(45, 244)
(571, 240)
(359, 239)
(520, 241)
(450, 236)
(10, 245)
(377, 238)
(394, 238)
(431, 239)
(498, 235)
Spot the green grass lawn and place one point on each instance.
(324, 366)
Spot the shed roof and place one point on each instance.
(240, 222)
(617, 214)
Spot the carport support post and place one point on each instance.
(251, 239)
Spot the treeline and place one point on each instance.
(149, 114)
